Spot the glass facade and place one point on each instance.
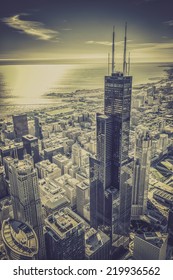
(20, 124)
(111, 189)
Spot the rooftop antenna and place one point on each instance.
(108, 63)
(129, 65)
(125, 45)
(113, 49)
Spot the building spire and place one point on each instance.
(113, 49)
(125, 45)
(129, 65)
(108, 62)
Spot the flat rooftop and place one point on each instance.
(23, 167)
(94, 240)
(155, 238)
(63, 222)
(30, 137)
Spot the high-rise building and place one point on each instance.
(65, 236)
(20, 124)
(111, 171)
(142, 160)
(97, 245)
(3, 183)
(150, 246)
(170, 234)
(82, 196)
(38, 127)
(170, 222)
(30, 145)
(13, 150)
(76, 154)
(25, 197)
(20, 240)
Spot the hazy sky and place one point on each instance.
(54, 29)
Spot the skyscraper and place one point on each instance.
(150, 246)
(65, 236)
(142, 160)
(3, 183)
(110, 171)
(30, 145)
(25, 197)
(38, 127)
(20, 124)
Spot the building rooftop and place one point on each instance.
(53, 148)
(60, 157)
(46, 164)
(23, 167)
(155, 238)
(94, 240)
(11, 146)
(64, 222)
(57, 202)
(30, 137)
(20, 238)
(83, 185)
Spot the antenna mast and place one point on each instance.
(125, 46)
(108, 62)
(113, 49)
(129, 65)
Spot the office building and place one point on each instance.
(60, 160)
(82, 196)
(76, 154)
(170, 222)
(97, 245)
(163, 143)
(111, 170)
(20, 240)
(47, 169)
(52, 151)
(20, 124)
(30, 145)
(65, 236)
(38, 127)
(3, 184)
(150, 246)
(14, 150)
(25, 197)
(142, 159)
(170, 234)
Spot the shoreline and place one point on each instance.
(74, 96)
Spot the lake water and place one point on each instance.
(29, 84)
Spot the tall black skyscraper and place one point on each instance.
(20, 124)
(110, 171)
(30, 145)
(38, 127)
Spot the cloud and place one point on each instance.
(168, 45)
(105, 43)
(66, 29)
(32, 28)
(169, 22)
